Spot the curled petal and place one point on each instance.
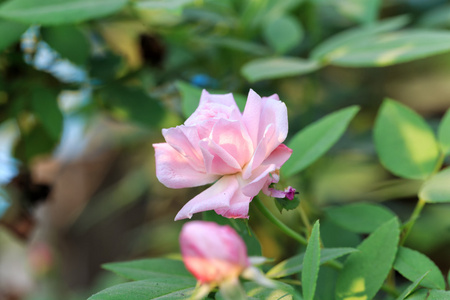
(260, 178)
(238, 208)
(174, 170)
(279, 156)
(185, 140)
(218, 196)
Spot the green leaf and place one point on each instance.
(331, 47)
(365, 271)
(421, 294)
(311, 263)
(413, 264)
(360, 217)
(411, 287)
(272, 68)
(162, 288)
(405, 143)
(444, 133)
(281, 291)
(294, 264)
(45, 107)
(438, 295)
(241, 227)
(149, 268)
(190, 96)
(313, 141)
(283, 33)
(34, 143)
(76, 48)
(392, 48)
(135, 105)
(284, 203)
(165, 4)
(10, 33)
(437, 188)
(56, 12)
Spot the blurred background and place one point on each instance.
(84, 94)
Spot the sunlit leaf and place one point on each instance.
(437, 188)
(281, 291)
(392, 48)
(444, 133)
(405, 143)
(412, 287)
(331, 47)
(365, 271)
(55, 12)
(272, 68)
(313, 141)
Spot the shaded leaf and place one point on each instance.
(413, 264)
(361, 277)
(405, 143)
(313, 141)
(271, 68)
(45, 107)
(360, 217)
(55, 12)
(190, 96)
(10, 33)
(438, 295)
(284, 203)
(411, 287)
(69, 42)
(437, 188)
(311, 263)
(331, 47)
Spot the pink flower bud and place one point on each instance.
(213, 253)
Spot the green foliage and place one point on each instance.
(405, 143)
(57, 12)
(331, 47)
(444, 133)
(311, 263)
(281, 291)
(149, 269)
(412, 287)
(190, 96)
(76, 48)
(278, 67)
(360, 217)
(438, 295)
(157, 288)
(313, 141)
(283, 33)
(436, 189)
(361, 277)
(413, 264)
(294, 264)
(134, 104)
(286, 204)
(10, 33)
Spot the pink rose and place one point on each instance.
(240, 152)
(213, 253)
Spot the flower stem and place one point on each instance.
(268, 214)
(412, 220)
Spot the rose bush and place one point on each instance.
(240, 152)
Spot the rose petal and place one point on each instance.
(239, 206)
(260, 176)
(174, 170)
(217, 160)
(218, 196)
(279, 156)
(252, 114)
